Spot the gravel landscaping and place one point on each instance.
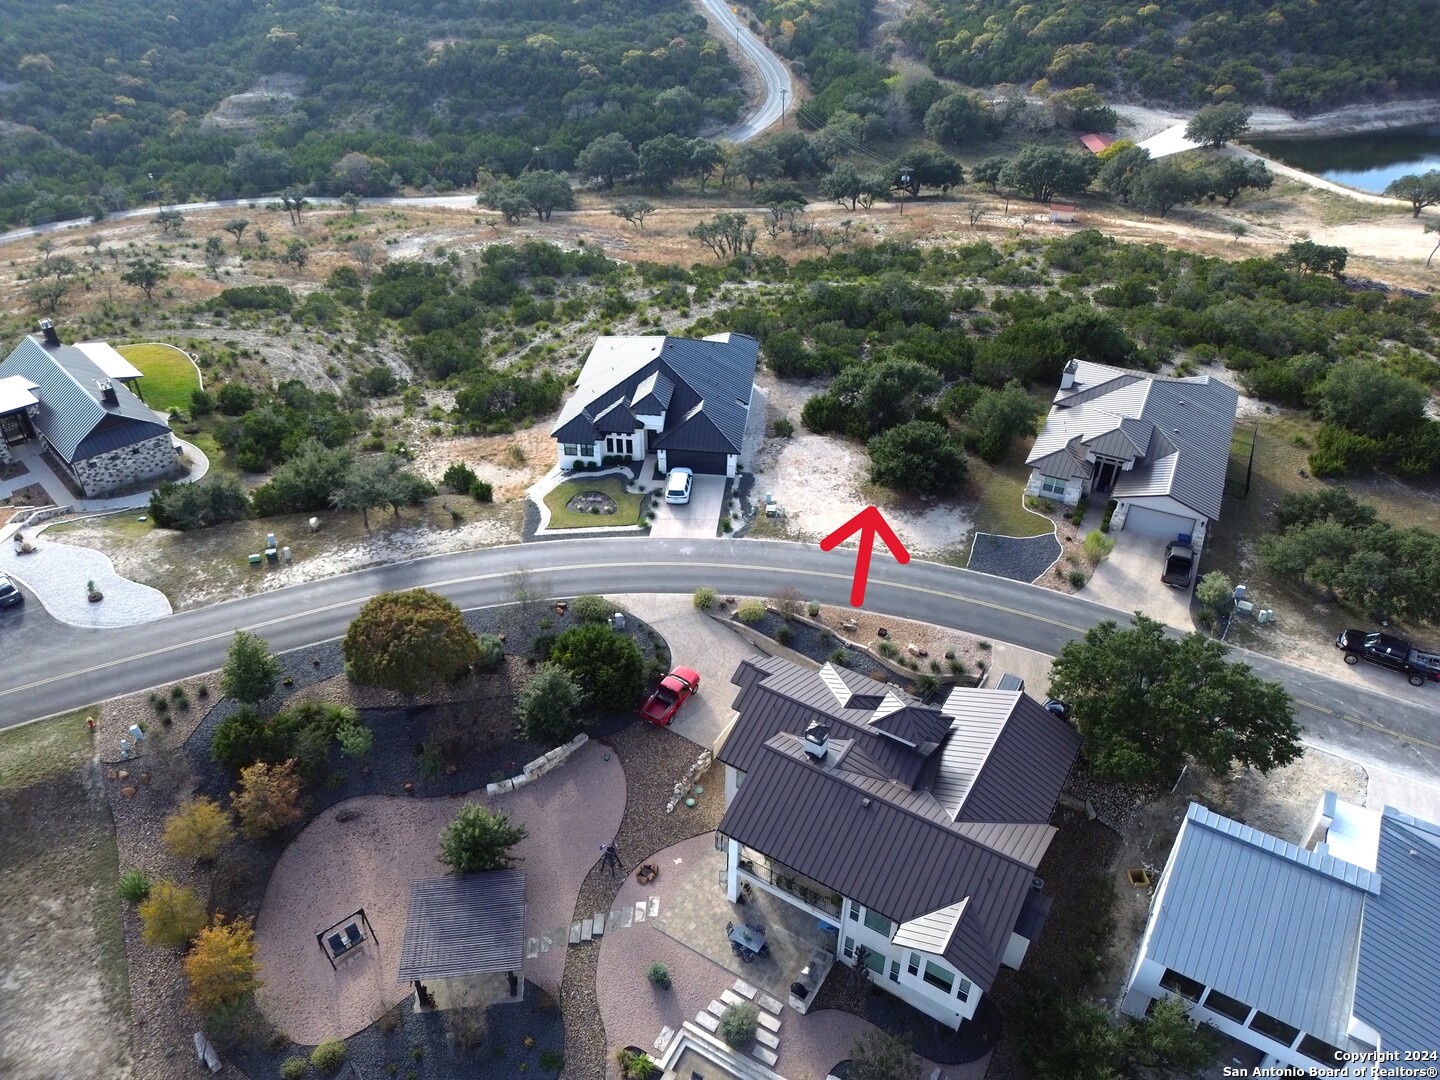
(1020, 558)
(57, 574)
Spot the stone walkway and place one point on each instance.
(57, 574)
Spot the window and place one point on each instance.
(1179, 984)
(620, 444)
(1052, 485)
(938, 977)
(878, 923)
(849, 948)
(854, 912)
(913, 967)
(1273, 1027)
(895, 971)
(1319, 1051)
(1227, 1006)
(964, 992)
(571, 449)
(874, 960)
(587, 449)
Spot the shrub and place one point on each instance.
(492, 652)
(198, 830)
(179, 697)
(812, 608)
(268, 799)
(214, 500)
(1214, 592)
(221, 966)
(356, 740)
(591, 609)
(918, 456)
(1077, 578)
(328, 1056)
(408, 641)
(1097, 545)
(459, 478)
(704, 598)
(478, 840)
(750, 612)
(887, 649)
(635, 1065)
(659, 976)
(548, 705)
(607, 666)
(552, 1059)
(782, 427)
(171, 914)
(292, 1068)
(784, 635)
(738, 1024)
(840, 658)
(787, 601)
(134, 886)
(251, 669)
(482, 491)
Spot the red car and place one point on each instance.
(662, 705)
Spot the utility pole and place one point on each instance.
(904, 185)
(784, 93)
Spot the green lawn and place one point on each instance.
(627, 512)
(1000, 507)
(169, 375)
(48, 748)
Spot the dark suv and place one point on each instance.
(9, 594)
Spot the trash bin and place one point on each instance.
(618, 621)
(270, 540)
(285, 554)
(256, 559)
(271, 555)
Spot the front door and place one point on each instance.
(15, 428)
(1105, 476)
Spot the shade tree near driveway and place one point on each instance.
(606, 665)
(1147, 704)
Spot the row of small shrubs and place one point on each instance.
(327, 1058)
(461, 479)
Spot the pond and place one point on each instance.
(1367, 161)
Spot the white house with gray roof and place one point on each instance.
(1158, 446)
(916, 830)
(685, 401)
(1311, 955)
(80, 403)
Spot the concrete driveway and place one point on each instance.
(696, 641)
(700, 517)
(1129, 580)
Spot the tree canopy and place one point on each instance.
(918, 456)
(1215, 125)
(1148, 703)
(479, 839)
(251, 669)
(607, 666)
(408, 641)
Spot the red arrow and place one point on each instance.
(867, 522)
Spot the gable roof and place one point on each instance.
(1180, 429)
(1397, 983)
(871, 818)
(16, 393)
(72, 416)
(1262, 920)
(702, 385)
(465, 924)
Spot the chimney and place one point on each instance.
(52, 339)
(817, 737)
(107, 392)
(1067, 377)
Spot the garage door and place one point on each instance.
(696, 460)
(1147, 522)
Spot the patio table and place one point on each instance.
(747, 938)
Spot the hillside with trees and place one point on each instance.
(103, 106)
(1293, 54)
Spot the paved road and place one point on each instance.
(49, 670)
(771, 69)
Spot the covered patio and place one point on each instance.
(465, 940)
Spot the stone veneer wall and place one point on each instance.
(4, 453)
(116, 468)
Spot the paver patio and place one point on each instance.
(365, 852)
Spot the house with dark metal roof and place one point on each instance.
(1314, 956)
(917, 830)
(1158, 446)
(684, 401)
(81, 403)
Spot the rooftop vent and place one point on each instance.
(817, 737)
(865, 802)
(52, 339)
(1067, 377)
(107, 391)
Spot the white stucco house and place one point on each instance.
(917, 831)
(1317, 956)
(685, 401)
(1158, 446)
(81, 403)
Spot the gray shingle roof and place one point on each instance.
(467, 924)
(1264, 921)
(1120, 413)
(1397, 984)
(72, 417)
(703, 384)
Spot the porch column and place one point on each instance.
(732, 870)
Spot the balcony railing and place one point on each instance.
(790, 881)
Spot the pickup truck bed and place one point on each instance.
(1179, 565)
(1384, 650)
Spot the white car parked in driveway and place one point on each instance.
(678, 485)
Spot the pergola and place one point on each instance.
(462, 934)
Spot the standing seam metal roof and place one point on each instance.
(1397, 984)
(70, 408)
(1262, 920)
(464, 925)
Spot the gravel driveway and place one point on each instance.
(1020, 558)
(56, 573)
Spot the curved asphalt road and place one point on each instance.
(49, 668)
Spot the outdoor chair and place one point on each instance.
(352, 935)
(337, 944)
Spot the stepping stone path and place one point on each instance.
(591, 928)
(767, 1035)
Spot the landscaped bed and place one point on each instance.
(170, 377)
(585, 503)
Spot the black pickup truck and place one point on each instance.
(1418, 665)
